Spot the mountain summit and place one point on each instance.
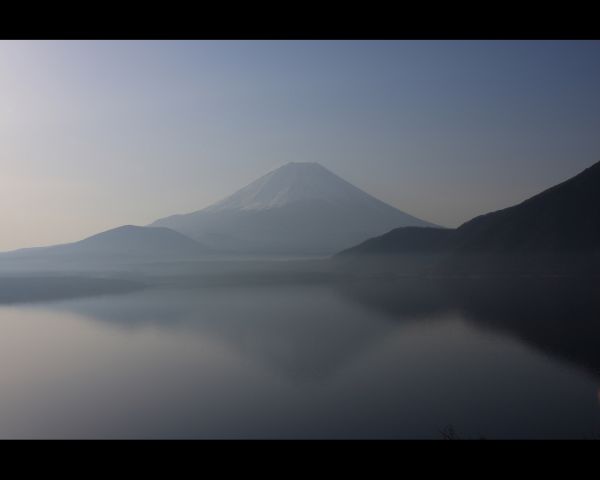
(291, 183)
(299, 208)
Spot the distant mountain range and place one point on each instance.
(299, 208)
(126, 242)
(559, 224)
(303, 208)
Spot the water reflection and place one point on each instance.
(559, 316)
(301, 331)
(324, 357)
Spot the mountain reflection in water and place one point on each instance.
(264, 356)
(559, 316)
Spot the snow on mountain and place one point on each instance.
(299, 208)
(294, 182)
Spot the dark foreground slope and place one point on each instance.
(405, 240)
(556, 231)
(564, 218)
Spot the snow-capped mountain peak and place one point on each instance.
(291, 183)
(299, 208)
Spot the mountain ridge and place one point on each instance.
(559, 225)
(125, 240)
(551, 219)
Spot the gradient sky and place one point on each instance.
(98, 134)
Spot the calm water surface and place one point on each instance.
(376, 359)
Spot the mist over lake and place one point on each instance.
(308, 354)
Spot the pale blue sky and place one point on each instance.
(99, 134)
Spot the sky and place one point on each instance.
(97, 134)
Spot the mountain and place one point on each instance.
(405, 240)
(565, 217)
(299, 208)
(559, 226)
(128, 241)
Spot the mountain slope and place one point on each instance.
(565, 217)
(299, 208)
(405, 240)
(563, 221)
(127, 241)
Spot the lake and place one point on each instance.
(318, 358)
